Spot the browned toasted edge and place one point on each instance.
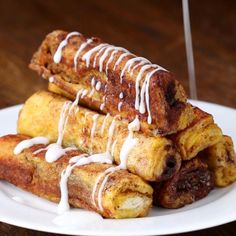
(193, 182)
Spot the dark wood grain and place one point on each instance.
(152, 29)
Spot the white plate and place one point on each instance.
(23, 209)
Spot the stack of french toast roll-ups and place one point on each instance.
(113, 134)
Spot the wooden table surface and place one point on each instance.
(152, 29)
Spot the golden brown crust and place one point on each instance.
(169, 109)
(32, 173)
(221, 159)
(152, 158)
(193, 182)
(199, 135)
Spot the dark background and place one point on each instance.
(150, 28)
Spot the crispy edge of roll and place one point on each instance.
(169, 109)
(193, 182)
(125, 195)
(152, 158)
(199, 135)
(221, 159)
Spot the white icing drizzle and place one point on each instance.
(76, 101)
(39, 150)
(61, 123)
(139, 64)
(128, 65)
(160, 67)
(141, 59)
(121, 95)
(134, 125)
(56, 151)
(104, 123)
(141, 104)
(29, 143)
(97, 157)
(98, 85)
(119, 106)
(85, 92)
(57, 55)
(116, 50)
(97, 55)
(108, 172)
(77, 54)
(104, 55)
(87, 55)
(93, 82)
(129, 142)
(51, 79)
(110, 60)
(127, 146)
(96, 186)
(147, 94)
(113, 147)
(120, 58)
(110, 136)
(143, 90)
(80, 160)
(138, 78)
(102, 106)
(74, 104)
(63, 205)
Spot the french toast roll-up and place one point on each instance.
(193, 182)
(117, 81)
(199, 135)
(221, 158)
(152, 158)
(124, 195)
